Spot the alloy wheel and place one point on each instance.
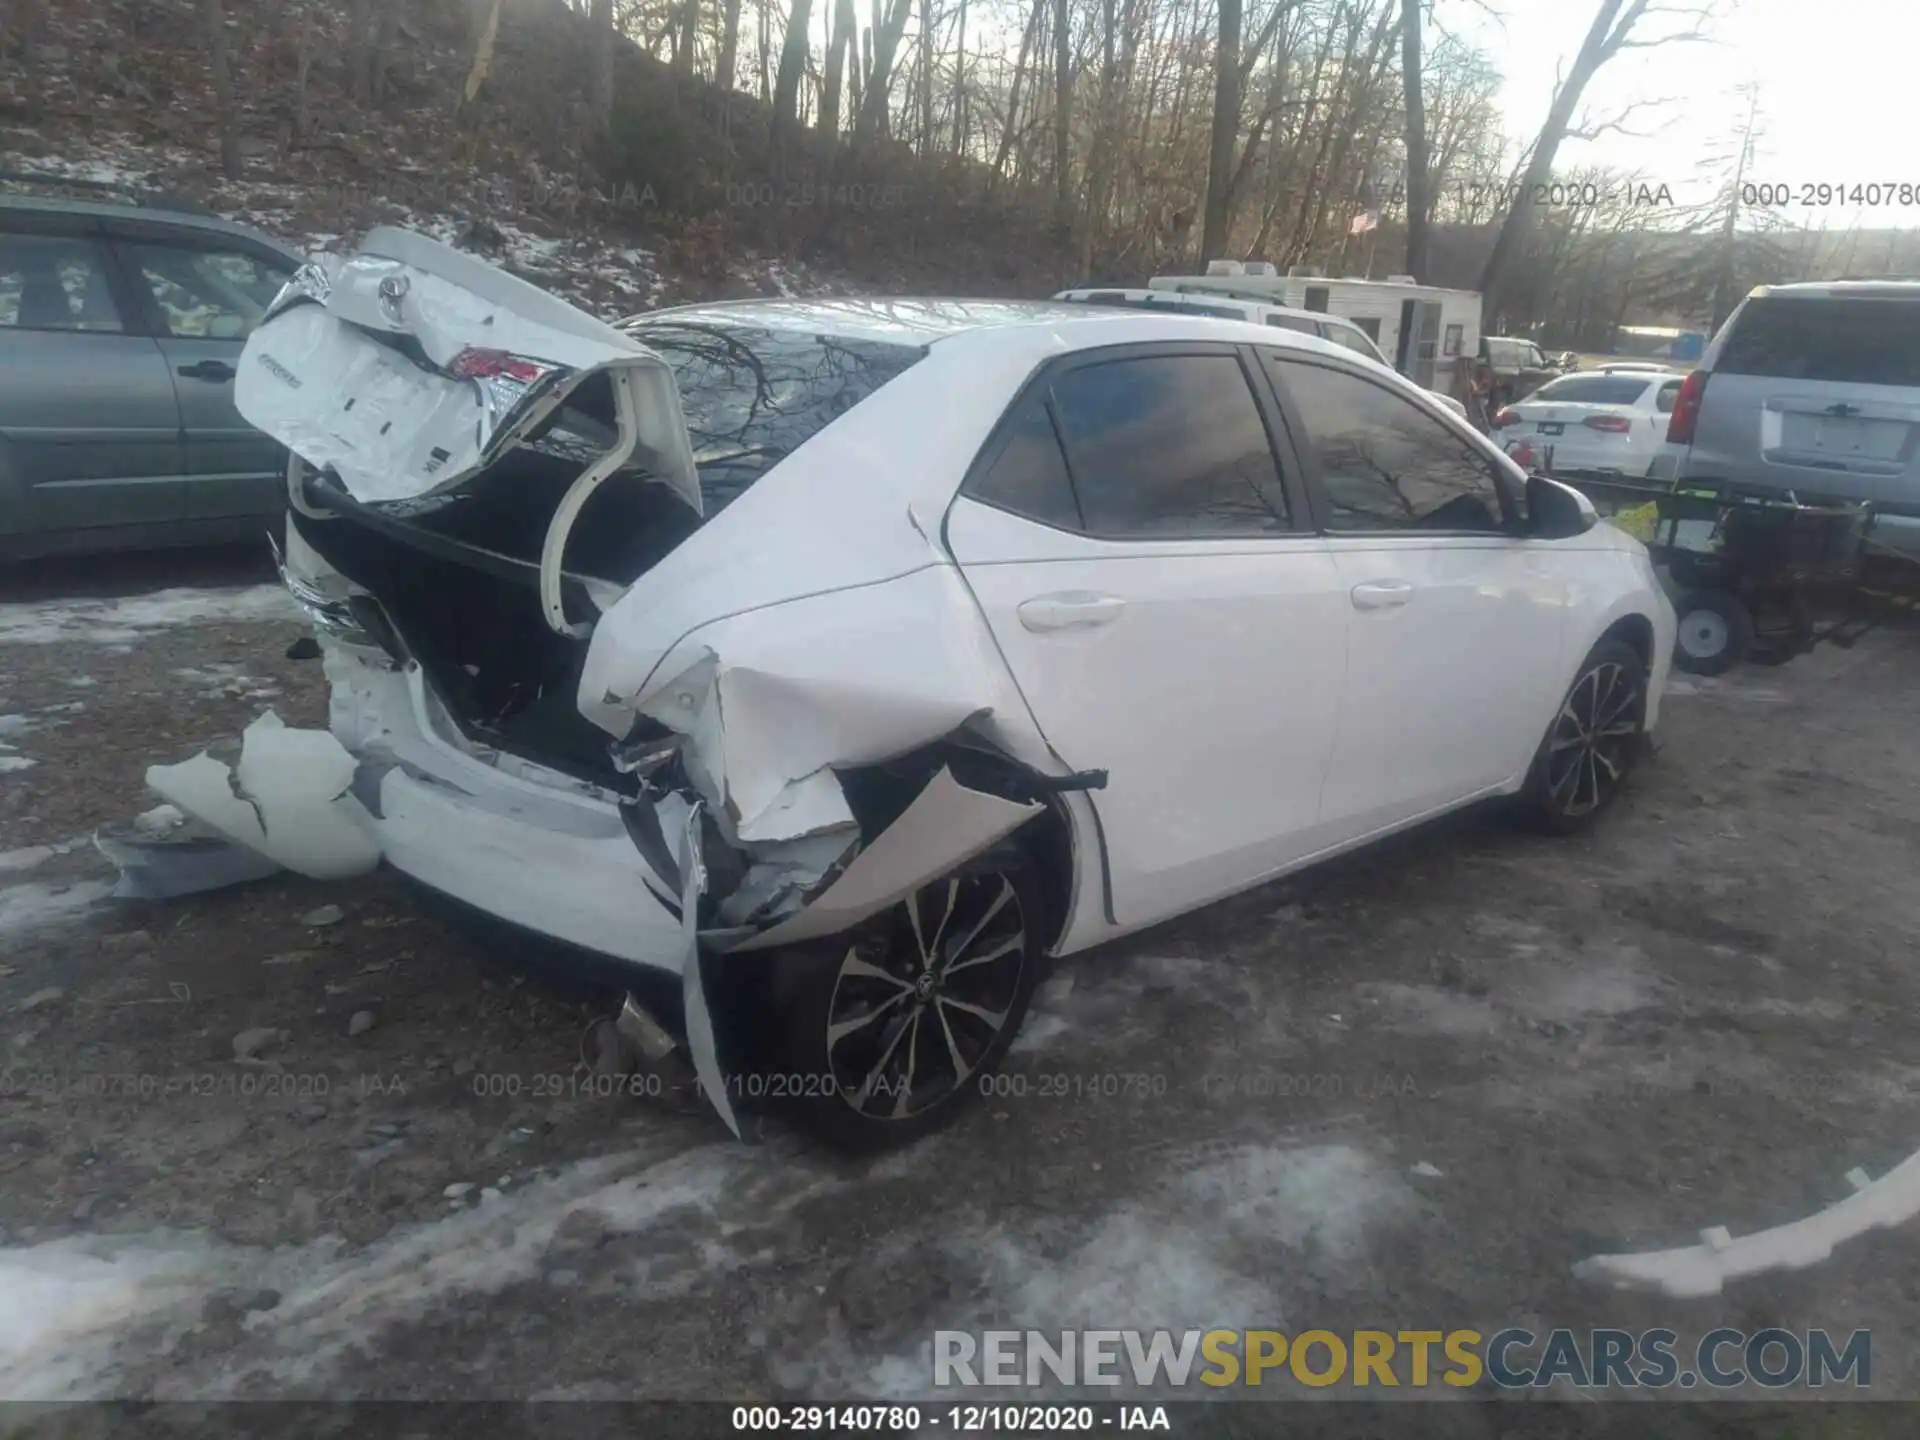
(1591, 745)
(922, 996)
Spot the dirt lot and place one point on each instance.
(1700, 1016)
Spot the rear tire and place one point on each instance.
(1714, 633)
(1591, 746)
(895, 1025)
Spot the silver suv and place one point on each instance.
(1811, 390)
(121, 320)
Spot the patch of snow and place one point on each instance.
(127, 620)
(12, 862)
(11, 763)
(27, 908)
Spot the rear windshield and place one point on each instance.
(1594, 390)
(1847, 341)
(751, 395)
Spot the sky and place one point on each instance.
(1836, 81)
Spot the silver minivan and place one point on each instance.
(1809, 390)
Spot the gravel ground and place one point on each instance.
(1408, 1091)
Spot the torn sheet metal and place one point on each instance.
(1704, 1269)
(946, 825)
(289, 799)
(701, 1044)
(471, 360)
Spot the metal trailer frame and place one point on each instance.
(1760, 576)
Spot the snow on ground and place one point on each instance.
(125, 621)
(25, 909)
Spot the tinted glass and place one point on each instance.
(1189, 307)
(1294, 322)
(1851, 342)
(1668, 397)
(1353, 340)
(48, 282)
(1030, 475)
(1594, 390)
(753, 395)
(207, 294)
(1170, 445)
(1386, 464)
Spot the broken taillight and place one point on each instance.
(476, 364)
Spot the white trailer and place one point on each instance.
(1427, 332)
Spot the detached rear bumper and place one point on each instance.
(531, 847)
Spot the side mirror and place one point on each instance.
(1556, 511)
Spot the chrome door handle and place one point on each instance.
(1381, 594)
(1070, 610)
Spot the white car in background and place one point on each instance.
(1331, 328)
(1607, 422)
(833, 663)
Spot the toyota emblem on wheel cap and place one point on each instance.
(393, 290)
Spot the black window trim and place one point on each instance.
(1272, 418)
(152, 317)
(1512, 512)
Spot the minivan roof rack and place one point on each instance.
(114, 190)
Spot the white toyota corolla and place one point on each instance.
(848, 658)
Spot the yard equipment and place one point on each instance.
(1761, 577)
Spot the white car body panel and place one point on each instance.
(849, 608)
(1178, 690)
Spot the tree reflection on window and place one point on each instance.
(751, 395)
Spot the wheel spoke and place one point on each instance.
(1599, 759)
(995, 1018)
(932, 952)
(865, 1092)
(905, 1097)
(961, 1068)
(1005, 947)
(866, 970)
(999, 904)
(837, 1033)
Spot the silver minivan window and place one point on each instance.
(1840, 340)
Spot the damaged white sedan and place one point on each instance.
(840, 661)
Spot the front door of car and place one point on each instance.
(204, 297)
(1141, 564)
(89, 429)
(1454, 647)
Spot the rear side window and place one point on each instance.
(1845, 341)
(1594, 390)
(1168, 446)
(49, 282)
(207, 294)
(751, 396)
(1030, 475)
(1294, 322)
(1352, 340)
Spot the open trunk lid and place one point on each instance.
(413, 368)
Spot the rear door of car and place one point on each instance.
(1453, 658)
(202, 293)
(89, 427)
(1135, 534)
(1818, 394)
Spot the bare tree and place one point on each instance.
(1063, 109)
(886, 48)
(489, 31)
(793, 66)
(1612, 31)
(360, 49)
(219, 57)
(686, 37)
(600, 40)
(1418, 205)
(840, 40)
(727, 61)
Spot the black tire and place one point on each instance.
(1591, 746)
(1715, 632)
(1690, 572)
(1787, 633)
(949, 1037)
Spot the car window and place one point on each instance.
(207, 294)
(1029, 477)
(1668, 397)
(1353, 340)
(1386, 463)
(1844, 341)
(1294, 322)
(752, 395)
(1536, 357)
(1169, 445)
(50, 282)
(1192, 307)
(1594, 390)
